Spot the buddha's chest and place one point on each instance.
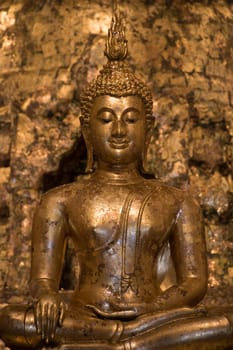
(121, 219)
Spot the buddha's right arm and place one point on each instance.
(48, 246)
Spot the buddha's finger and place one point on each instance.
(38, 317)
(62, 313)
(53, 321)
(50, 321)
(47, 324)
(44, 320)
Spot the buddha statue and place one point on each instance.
(128, 230)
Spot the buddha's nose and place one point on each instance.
(119, 129)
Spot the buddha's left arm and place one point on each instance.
(188, 250)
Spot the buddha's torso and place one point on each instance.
(118, 231)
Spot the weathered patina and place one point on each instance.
(140, 243)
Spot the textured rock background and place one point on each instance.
(50, 49)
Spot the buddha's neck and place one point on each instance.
(122, 174)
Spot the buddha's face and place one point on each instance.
(118, 129)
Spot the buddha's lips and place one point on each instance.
(119, 144)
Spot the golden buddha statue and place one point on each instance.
(123, 227)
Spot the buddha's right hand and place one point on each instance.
(49, 313)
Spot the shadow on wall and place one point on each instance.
(72, 164)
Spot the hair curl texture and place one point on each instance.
(116, 79)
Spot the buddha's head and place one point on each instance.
(116, 107)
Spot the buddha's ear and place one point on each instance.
(149, 131)
(85, 129)
(145, 150)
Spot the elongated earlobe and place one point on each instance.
(90, 152)
(144, 156)
(149, 132)
(90, 161)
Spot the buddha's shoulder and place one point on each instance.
(161, 188)
(63, 193)
(163, 192)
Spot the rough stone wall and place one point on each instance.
(50, 49)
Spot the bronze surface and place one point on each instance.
(140, 243)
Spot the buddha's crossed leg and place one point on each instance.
(182, 329)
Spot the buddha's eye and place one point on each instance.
(131, 117)
(105, 117)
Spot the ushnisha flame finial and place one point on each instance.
(116, 45)
(116, 78)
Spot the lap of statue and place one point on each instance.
(84, 328)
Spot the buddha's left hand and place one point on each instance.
(124, 311)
